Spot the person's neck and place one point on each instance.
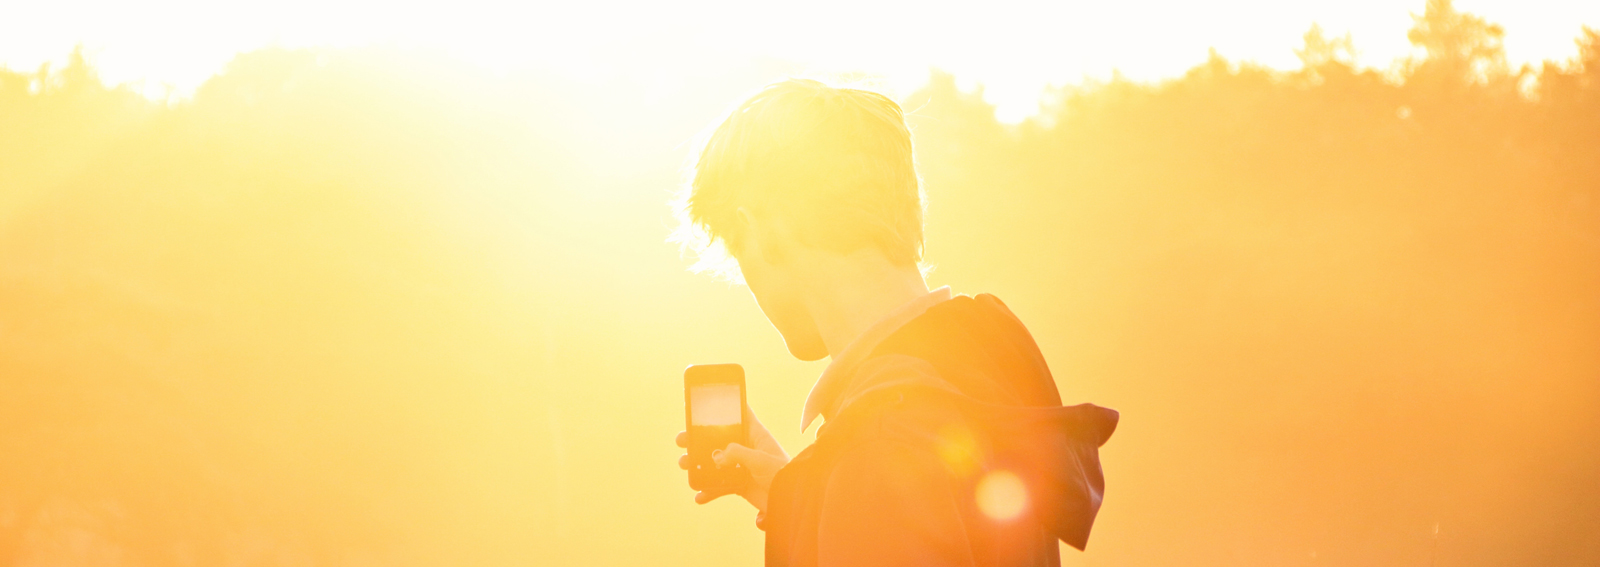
(850, 293)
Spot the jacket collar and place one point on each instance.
(825, 395)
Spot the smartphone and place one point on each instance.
(713, 402)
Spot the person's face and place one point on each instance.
(778, 290)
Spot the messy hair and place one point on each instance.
(834, 164)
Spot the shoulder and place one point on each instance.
(897, 426)
(891, 497)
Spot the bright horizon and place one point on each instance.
(1024, 48)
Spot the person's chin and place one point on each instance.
(807, 350)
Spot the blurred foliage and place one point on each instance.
(361, 307)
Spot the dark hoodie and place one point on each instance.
(946, 399)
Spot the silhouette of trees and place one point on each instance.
(1435, 229)
(1461, 48)
(1337, 305)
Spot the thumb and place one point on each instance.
(734, 454)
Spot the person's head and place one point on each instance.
(804, 170)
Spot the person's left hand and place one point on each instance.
(763, 462)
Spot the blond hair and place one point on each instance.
(834, 164)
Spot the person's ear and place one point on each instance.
(748, 240)
(763, 236)
(747, 221)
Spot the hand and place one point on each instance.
(763, 462)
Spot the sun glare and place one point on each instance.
(1014, 48)
(392, 284)
(1002, 495)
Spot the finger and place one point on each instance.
(683, 439)
(734, 454)
(683, 462)
(705, 496)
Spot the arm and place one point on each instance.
(890, 503)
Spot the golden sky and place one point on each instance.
(361, 307)
(1015, 48)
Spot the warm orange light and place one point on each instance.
(958, 449)
(366, 306)
(1002, 496)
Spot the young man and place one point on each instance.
(945, 440)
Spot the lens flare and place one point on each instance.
(959, 450)
(1002, 496)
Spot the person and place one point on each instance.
(945, 442)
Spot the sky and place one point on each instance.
(1014, 48)
(391, 311)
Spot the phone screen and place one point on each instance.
(714, 396)
(715, 404)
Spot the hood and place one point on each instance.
(972, 354)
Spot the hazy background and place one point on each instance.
(167, 48)
(384, 306)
